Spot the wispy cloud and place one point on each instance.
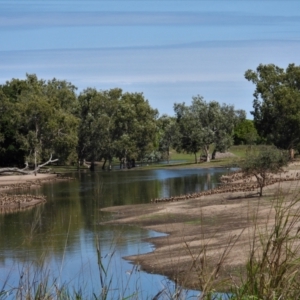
(53, 19)
(170, 50)
(153, 65)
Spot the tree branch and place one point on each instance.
(25, 170)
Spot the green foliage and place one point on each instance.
(97, 125)
(167, 135)
(205, 123)
(10, 145)
(39, 118)
(42, 121)
(115, 124)
(245, 133)
(277, 104)
(263, 161)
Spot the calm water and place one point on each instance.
(59, 239)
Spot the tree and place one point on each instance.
(136, 122)
(11, 152)
(245, 133)
(167, 135)
(25, 170)
(262, 162)
(115, 124)
(205, 123)
(63, 127)
(190, 130)
(277, 104)
(97, 111)
(42, 117)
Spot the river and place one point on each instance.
(59, 242)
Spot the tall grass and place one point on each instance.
(273, 266)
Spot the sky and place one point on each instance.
(168, 50)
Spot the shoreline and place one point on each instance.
(210, 224)
(10, 202)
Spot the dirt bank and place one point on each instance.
(10, 201)
(202, 229)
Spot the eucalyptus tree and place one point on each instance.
(226, 120)
(205, 123)
(261, 162)
(115, 124)
(167, 134)
(11, 153)
(190, 130)
(43, 125)
(62, 138)
(136, 124)
(97, 134)
(245, 133)
(277, 104)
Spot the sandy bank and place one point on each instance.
(10, 201)
(210, 224)
(9, 180)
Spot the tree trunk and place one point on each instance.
(206, 150)
(122, 163)
(213, 156)
(260, 190)
(92, 166)
(103, 166)
(292, 153)
(261, 184)
(168, 155)
(25, 170)
(35, 164)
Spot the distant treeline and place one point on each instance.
(39, 118)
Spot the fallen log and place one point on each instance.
(25, 170)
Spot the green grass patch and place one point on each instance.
(240, 150)
(189, 158)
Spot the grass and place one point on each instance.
(272, 269)
(240, 150)
(178, 159)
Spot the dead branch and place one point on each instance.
(25, 170)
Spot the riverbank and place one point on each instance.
(10, 201)
(208, 233)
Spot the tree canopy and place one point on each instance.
(115, 124)
(245, 133)
(46, 118)
(205, 123)
(262, 162)
(277, 104)
(38, 120)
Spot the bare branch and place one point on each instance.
(25, 170)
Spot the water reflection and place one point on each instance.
(63, 232)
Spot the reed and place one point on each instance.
(273, 265)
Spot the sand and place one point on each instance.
(11, 201)
(15, 179)
(201, 230)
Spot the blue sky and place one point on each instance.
(169, 50)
